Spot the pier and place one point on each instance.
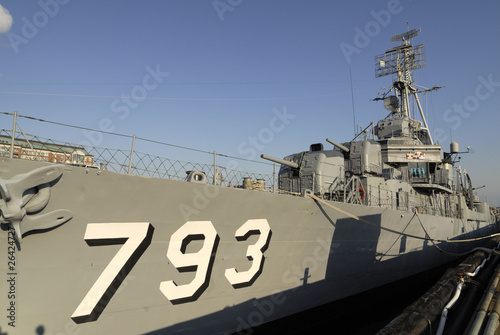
(460, 298)
(465, 300)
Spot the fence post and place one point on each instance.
(274, 178)
(131, 155)
(215, 168)
(13, 135)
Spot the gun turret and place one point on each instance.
(281, 161)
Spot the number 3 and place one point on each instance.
(254, 252)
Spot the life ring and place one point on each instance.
(362, 193)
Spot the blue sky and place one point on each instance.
(247, 77)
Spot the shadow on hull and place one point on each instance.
(364, 313)
(353, 266)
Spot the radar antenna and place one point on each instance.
(391, 103)
(401, 61)
(405, 36)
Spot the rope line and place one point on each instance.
(427, 238)
(138, 138)
(173, 99)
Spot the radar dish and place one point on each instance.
(391, 103)
(405, 36)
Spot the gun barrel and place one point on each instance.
(281, 161)
(338, 145)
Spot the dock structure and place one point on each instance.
(465, 300)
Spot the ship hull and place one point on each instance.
(144, 255)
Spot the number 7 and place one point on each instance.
(135, 237)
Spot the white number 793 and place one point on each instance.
(136, 237)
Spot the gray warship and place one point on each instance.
(92, 251)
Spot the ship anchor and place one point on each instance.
(26, 194)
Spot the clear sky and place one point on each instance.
(244, 77)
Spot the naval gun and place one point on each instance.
(317, 170)
(280, 161)
(338, 145)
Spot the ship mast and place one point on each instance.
(401, 61)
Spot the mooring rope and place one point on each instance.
(426, 238)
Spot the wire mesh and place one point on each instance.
(118, 160)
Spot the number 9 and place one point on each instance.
(200, 261)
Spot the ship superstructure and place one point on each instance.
(394, 163)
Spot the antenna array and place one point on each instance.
(402, 58)
(405, 36)
(396, 60)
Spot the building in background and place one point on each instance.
(49, 152)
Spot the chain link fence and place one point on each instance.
(32, 147)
